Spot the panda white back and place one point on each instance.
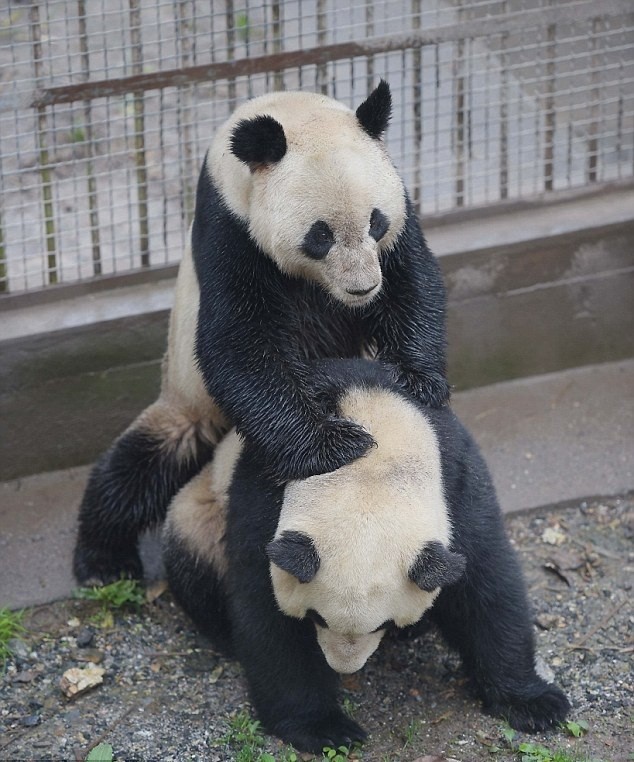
(369, 522)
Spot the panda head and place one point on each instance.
(313, 182)
(367, 546)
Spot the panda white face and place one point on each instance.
(314, 183)
(367, 545)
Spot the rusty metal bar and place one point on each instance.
(88, 135)
(4, 279)
(139, 134)
(417, 63)
(276, 27)
(593, 129)
(369, 33)
(504, 97)
(549, 108)
(321, 81)
(322, 55)
(459, 141)
(184, 18)
(45, 168)
(231, 47)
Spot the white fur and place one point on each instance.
(368, 521)
(332, 171)
(184, 411)
(198, 513)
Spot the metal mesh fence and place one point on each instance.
(106, 109)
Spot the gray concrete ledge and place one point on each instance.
(530, 291)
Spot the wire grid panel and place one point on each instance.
(493, 100)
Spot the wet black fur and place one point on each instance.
(485, 615)
(128, 491)
(196, 584)
(258, 328)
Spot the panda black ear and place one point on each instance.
(435, 566)
(375, 112)
(258, 141)
(295, 553)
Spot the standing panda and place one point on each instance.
(304, 246)
(301, 582)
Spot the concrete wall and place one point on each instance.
(530, 291)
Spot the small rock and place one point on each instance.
(84, 637)
(547, 621)
(215, 674)
(31, 721)
(26, 676)
(553, 536)
(18, 648)
(93, 655)
(74, 622)
(78, 680)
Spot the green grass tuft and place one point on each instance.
(10, 627)
(121, 594)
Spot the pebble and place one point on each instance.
(76, 680)
(18, 648)
(85, 637)
(30, 721)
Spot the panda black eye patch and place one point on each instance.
(318, 241)
(316, 618)
(379, 224)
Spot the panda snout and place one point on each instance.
(361, 291)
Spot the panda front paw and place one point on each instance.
(337, 442)
(101, 566)
(334, 730)
(534, 714)
(428, 388)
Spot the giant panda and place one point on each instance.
(300, 581)
(304, 245)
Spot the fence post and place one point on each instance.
(45, 169)
(88, 134)
(139, 134)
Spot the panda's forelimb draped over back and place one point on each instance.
(304, 246)
(309, 575)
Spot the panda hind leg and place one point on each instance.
(130, 487)
(195, 558)
(200, 591)
(485, 617)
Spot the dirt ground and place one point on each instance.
(167, 696)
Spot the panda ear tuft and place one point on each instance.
(375, 112)
(436, 566)
(295, 553)
(258, 141)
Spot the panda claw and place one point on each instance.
(332, 731)
(94, 568)
(536, 714)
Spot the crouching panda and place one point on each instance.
(304, 246)
(300, 582)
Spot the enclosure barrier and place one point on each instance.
(107, 108)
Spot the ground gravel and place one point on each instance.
(166, 695)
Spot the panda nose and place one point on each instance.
(362, 291)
